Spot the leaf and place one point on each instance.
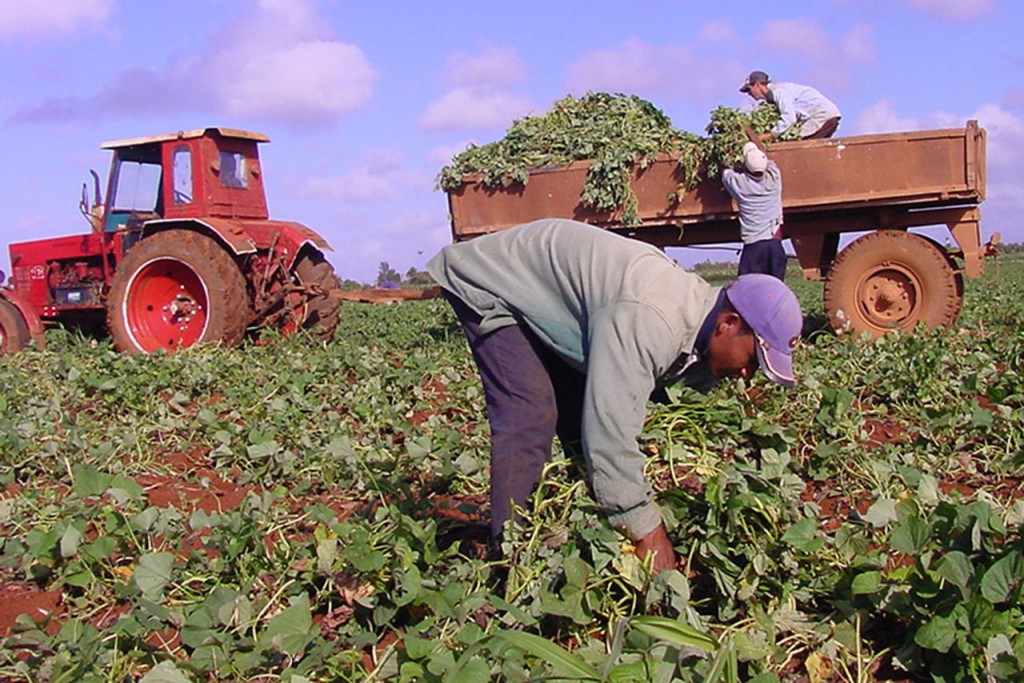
(629, 672)
(956, 568)
(1001, 581)
(90, 482)
(70, 541)
(474, 670)
(153, 573)
(289, 631)
(577, 571)
(673, 632)
(562, 663)
(881, 513)
(866, 583)
(165, 672)
(1002, 660)
(939, 634)
(42, 544)
(264, 449)
(417, 648)
(981, 417)
(326, 554)
(910, 536)
(804, 535)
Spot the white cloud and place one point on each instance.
(357, 185)
(857, 45)
(639, 67)
(481, 95)
(278, 62)
(805, 39)
(382, 176)
(1005, 133)
(719, 32)
(953, 9)
(442, 155)
(470, 107)
(809, 44)
(305, 81)
(800, 37)
(21, 18)
(882, 118)
(495, 66)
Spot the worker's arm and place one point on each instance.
(757, 139)
(622, 362)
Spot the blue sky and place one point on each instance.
(364, 102)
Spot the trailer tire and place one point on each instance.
(14, 334)
(892, 280)
(322, 312)
(175, 289)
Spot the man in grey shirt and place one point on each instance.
(572, 328)
(758, 193)
(799, 105)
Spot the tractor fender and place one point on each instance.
(29, 313)
(248, 236)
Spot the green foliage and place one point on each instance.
(324, 521)
(618, 135)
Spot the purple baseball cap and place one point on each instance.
(772, 311)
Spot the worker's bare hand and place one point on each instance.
(658, 543)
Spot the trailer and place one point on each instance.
(882, 185)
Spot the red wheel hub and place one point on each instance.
(166, 306)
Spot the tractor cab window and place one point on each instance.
(138, 187)
(182, 175)
(136, 192)
(232, 170)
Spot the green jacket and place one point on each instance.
(617, 309)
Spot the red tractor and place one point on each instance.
(182, 251)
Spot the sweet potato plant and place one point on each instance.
(299, 511)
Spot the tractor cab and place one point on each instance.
(208, 172)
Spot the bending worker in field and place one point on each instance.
(799, 105)
(573, 327)
(757, 190)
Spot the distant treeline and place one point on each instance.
(709, 270)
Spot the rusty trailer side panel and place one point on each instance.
(866, 182)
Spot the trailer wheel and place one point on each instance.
(175, 289)
(14, 334)
(889, 280)
(321, 314)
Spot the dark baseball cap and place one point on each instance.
(772, 311)
(754, 77)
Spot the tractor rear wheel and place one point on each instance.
(175, 289)
(892, 280)
(14, 334)
(321, 312)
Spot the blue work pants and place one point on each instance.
(532, 395)
(766, 256)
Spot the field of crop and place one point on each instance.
(296, 511)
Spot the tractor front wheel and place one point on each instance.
(891, 280)
(176, 289)
(14, 334)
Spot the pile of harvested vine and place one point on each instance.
(617, 133)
